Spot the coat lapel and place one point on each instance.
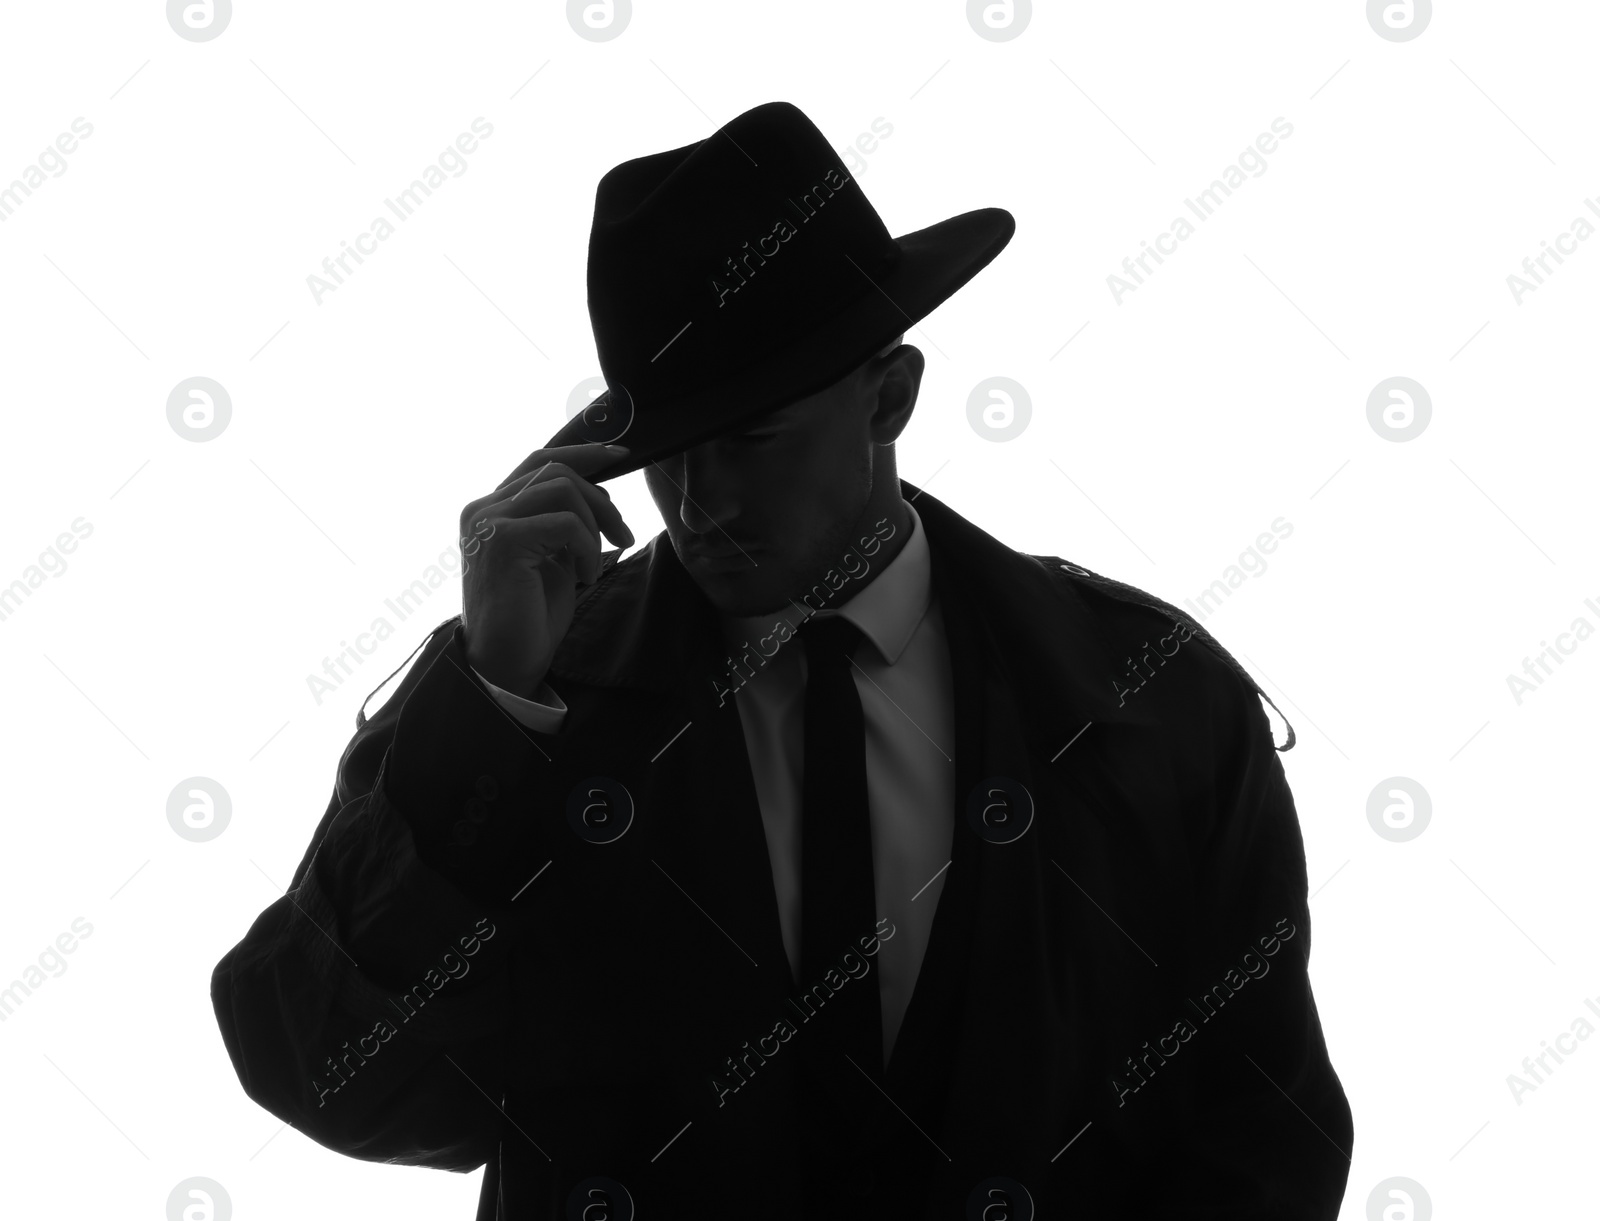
(649, 636)
(917, 1078)
(1031, 672)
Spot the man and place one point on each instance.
(824, 857)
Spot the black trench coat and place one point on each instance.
(1114, 1015)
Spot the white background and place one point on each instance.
(1229, 390)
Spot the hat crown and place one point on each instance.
(724, 252)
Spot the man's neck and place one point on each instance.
(898, 515)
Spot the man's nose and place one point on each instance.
(704, 489)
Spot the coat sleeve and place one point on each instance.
(1270, 1133)
(369, 1006)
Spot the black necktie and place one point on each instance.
(837, 908)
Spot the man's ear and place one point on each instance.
(898, 380)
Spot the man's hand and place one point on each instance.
(527, 546)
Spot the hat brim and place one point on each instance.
(933, 264)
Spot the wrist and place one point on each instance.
(523, 684)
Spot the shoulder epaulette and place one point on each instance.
(1138, 597)
(361, 712)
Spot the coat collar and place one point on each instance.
(647, 625)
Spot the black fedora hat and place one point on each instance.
(733, 276)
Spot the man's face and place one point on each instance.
(756, 517)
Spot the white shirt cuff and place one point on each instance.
(544, 713)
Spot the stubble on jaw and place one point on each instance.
(826, 549)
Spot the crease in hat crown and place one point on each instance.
(733, 275)
(682, 238)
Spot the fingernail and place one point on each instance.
(619, 449)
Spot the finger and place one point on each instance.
(527, 496)
(557, 488)
(562, 538)
(609, 519)
(584, 459)
(558, 493)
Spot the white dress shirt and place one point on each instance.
(903, 676)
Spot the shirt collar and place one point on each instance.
(887, 609)
(1056, 635)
